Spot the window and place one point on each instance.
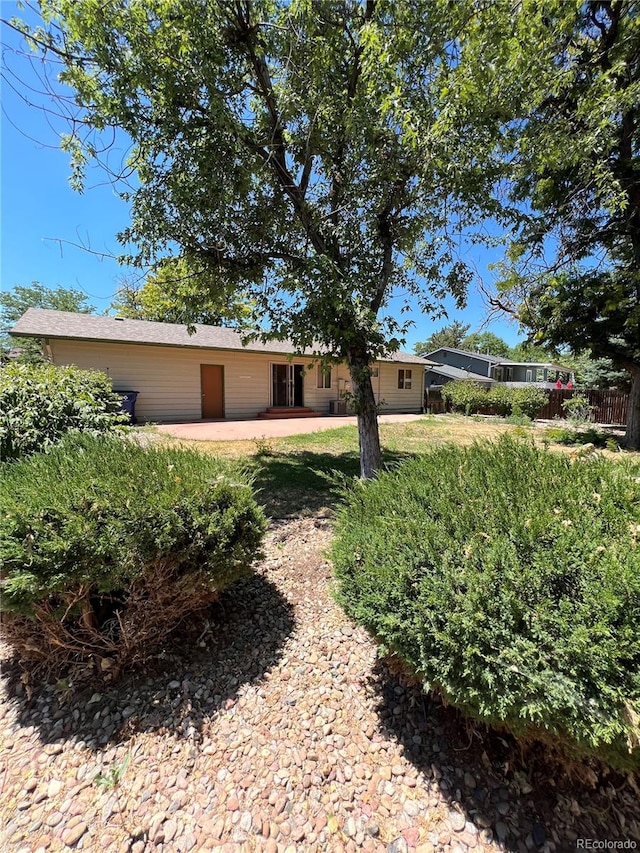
(374, 372)
(539, 374)
(498, 374)
(404, 379)
(529, 376)
(509, 376)
(324, 377)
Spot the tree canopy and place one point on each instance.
(572, 88)
(487, 342)
(451, 335)
(177, 294)
(13, 304)
(299, 151)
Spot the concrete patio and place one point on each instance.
(221, 430)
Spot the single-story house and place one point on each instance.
(210, 373)
(483, 367)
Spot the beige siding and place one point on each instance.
(168, 379)
(394, 399)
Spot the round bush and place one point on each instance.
(508, 579)
(528, 401)
(39, 403)
(107, 546)
(465, 396)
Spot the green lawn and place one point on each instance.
(301, 474)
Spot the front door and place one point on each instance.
(212, 389)
(286, 385)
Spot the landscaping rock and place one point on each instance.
(273, 737)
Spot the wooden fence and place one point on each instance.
(610, 406)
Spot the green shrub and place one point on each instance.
(528, 400)
(107, 546)
(500, 400)
(39, 403)
(569, 436)
(507, 578)
(465, 396)
(578, 410)
(470, 397)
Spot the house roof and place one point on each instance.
(45, 323)
(550, 365)
(483, 356)
(450, 372)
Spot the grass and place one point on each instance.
(301, 474)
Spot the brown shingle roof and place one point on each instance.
(45, 323)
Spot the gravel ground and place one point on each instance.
(280, 731)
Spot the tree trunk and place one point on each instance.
(367, 412)
(632, 435)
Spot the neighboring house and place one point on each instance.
(492, 369)
(210, 373)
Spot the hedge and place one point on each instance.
(107, 546)
(469, 397)
(508, 579)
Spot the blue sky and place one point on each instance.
(42, 218)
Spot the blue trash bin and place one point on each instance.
(128, 404)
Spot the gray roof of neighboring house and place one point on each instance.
(457, 373)
(484, 356)
(45, 323)
(550, 365)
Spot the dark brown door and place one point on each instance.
(212, 387)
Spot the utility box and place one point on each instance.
(337, 407)
(128, 404)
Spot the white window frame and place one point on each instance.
(405, 379)
(323, 377)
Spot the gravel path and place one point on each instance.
(281, 732)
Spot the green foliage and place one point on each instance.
(39, 403)
(290, 151)
(14, 303)
(578, 409)
(486, 342)
(500, 399)
(465, 396)
(470, 397)
(107, 546)
(179, 292)
(571, 87)
(570, 436)
(528, 400)
(114, 775)
(449, 336)
(525, 351)
(596, 372)
(507, 578)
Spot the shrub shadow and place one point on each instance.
(198, 673)
(521, 797)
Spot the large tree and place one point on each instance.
(487, 342)
(294, 148)
(13, 304)
(572, 272)
(175, 293)
(450, 335)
